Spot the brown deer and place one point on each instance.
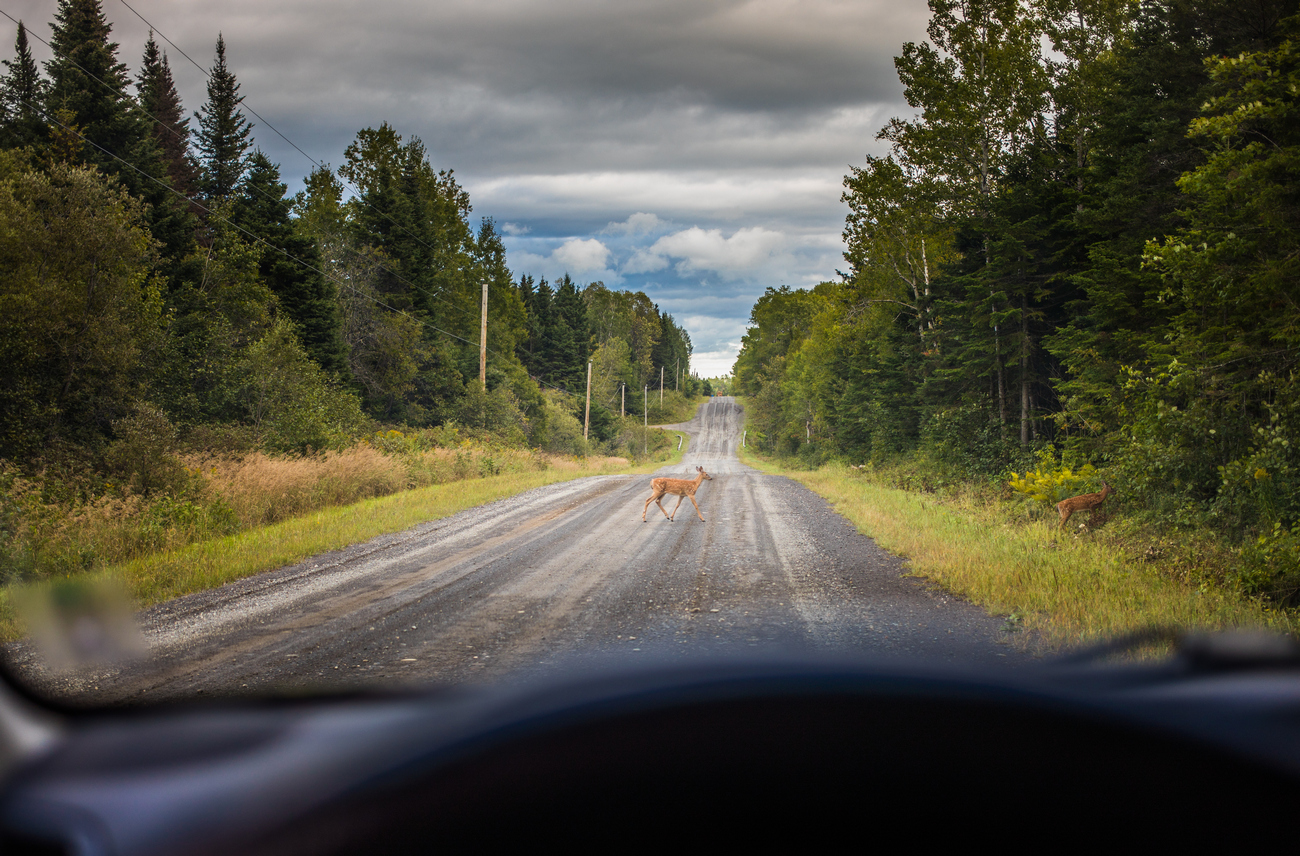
(681, 487)
(1089, 501)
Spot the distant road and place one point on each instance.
(563, 576)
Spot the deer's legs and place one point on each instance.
(677, 506)
(654, 497)
(697, 509)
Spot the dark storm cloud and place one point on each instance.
(764, 56)
(732, 123)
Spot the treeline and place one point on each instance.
(1082, 250)
(158, 283)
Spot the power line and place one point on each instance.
(113, 91)
(356, 192)
(266, 243)
(240, 228)
(166, 186)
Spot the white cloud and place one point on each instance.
(514, 230)
(639, 223)
(715, 363)
(582, 255)
(697, 249)
(645, 261)
(807, 197)
(584, 258)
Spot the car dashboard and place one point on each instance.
(720, 753)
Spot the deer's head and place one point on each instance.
(701, 471)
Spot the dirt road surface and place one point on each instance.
(562, 577)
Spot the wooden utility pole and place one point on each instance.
(622, 401)
(586, 420)
(645, 437)
(678, 372)
(661, 387)
(482, 342)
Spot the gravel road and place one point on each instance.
(563, 576)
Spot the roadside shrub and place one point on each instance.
(1050, 482)
(1262, 487)
(143, 455)
(497, 412)
(290, 401)
(1270, 567)
(564, 431)
(966, 439)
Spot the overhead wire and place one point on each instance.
(257, 238)
(236, 226)
(115, 92)
(355, 191)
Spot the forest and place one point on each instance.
(1076, 260)
(163, 298)
(154, 268)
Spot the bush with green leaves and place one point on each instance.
(1270, 567)
(143, 454)
(1052, 481)
(290, 401)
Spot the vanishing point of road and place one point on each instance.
(565, 576)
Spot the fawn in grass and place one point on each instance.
(1084, 502)
(681, 487)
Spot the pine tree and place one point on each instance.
(88, 95)
(87, 80)
(573, 335)
(158, 97)
(223, 135)
(305, 295)
(22, 94)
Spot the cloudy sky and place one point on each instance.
(693, 150)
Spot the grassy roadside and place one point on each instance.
(1067, 588)
(207, 564)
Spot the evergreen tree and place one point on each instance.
(88, 94)
(22, 96)
(157, 93)
(507, 317)
(529, 344)
(291, 266)
(572, 344)
(89, 83)
(1155, 85)
(223, 135)
(555, 342)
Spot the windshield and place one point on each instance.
(350, 347)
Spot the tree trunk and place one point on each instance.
(1024, 372)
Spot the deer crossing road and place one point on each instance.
(561, 577)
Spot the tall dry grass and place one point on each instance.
(254, 487)
(48, 531)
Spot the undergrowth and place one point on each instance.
(55, 524)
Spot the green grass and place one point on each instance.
(1068, 588)
(208, 564)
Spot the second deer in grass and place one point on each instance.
(1085, 502)
(681, 487)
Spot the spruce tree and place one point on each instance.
(573, 335)
(291, 266)
(88, 94)
(158, 97)
(22, 94)
(88, 81)
(223, 135)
